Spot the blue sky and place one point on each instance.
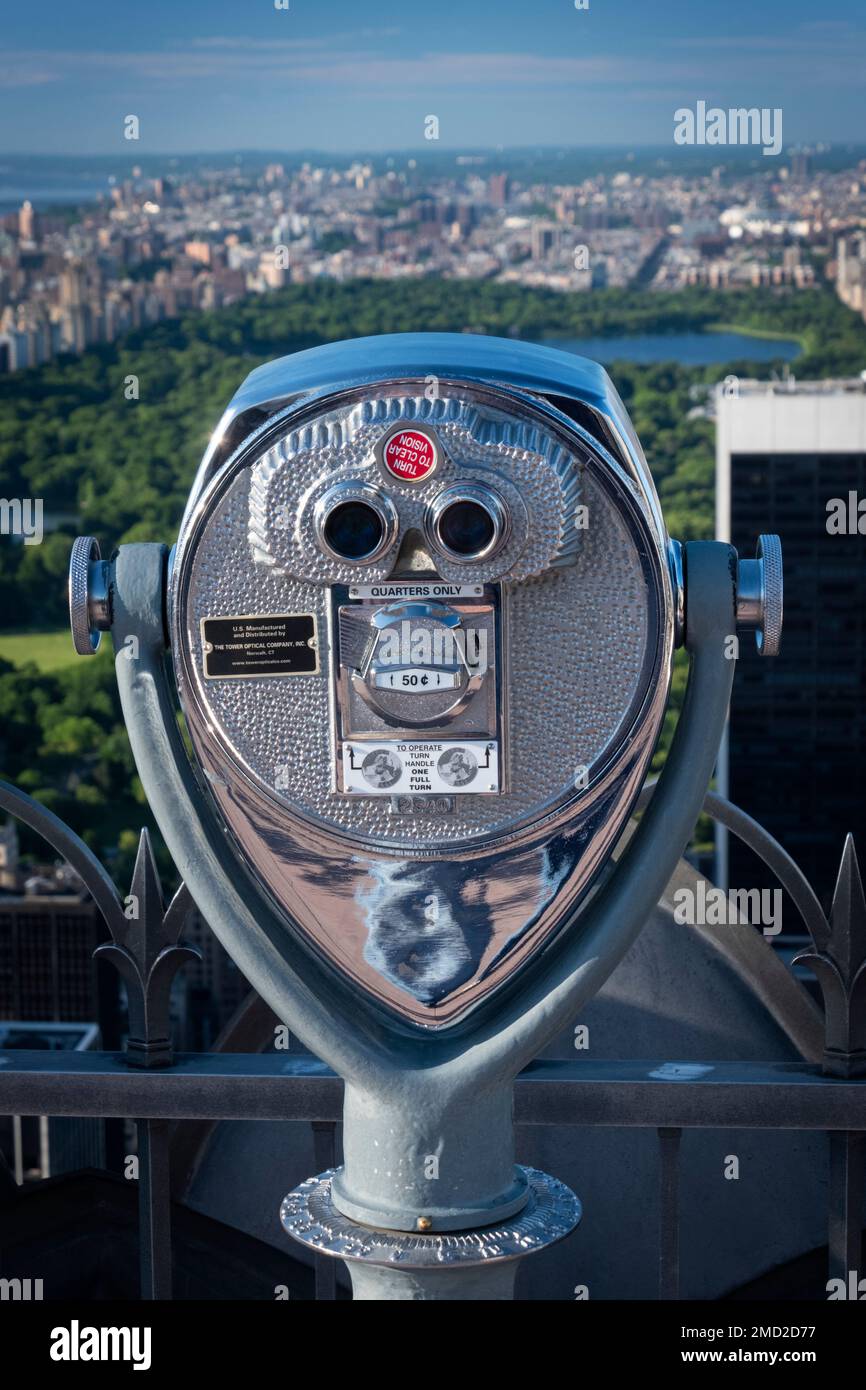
(350, 75)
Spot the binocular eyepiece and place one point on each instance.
(358, 523)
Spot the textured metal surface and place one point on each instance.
(538, 478)
(578, 665)
(387, 1148)
(760, 595)
(430, 358)
(308, 1215)
(769, 637)
(587, 629)
(428, 1081)
(85, 636)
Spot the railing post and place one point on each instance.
(845, 1200)
(839, 963)
(148, 956)
(154, 1209)
(145, 950)
(669, 1213)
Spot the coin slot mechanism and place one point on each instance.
(417, 697)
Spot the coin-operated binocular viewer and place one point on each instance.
(421, 616)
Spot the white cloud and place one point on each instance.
(318, 61)
(826, 53)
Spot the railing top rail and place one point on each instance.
(271, 1086)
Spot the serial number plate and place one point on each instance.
(273, 644)
(418, 680)
(398, 767)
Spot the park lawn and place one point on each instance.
(790, 336)
(51, 651)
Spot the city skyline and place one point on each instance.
(334, 79)
(156, 246)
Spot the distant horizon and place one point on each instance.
(52, 181)
(715, 154)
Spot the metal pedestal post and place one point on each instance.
(430, 1150)
(413, 1097)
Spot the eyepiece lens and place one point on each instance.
(354, 530)
(466, 528)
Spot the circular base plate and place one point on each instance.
(309, 1216)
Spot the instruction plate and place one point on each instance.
(399, 767)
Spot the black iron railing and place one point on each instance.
(156, 1087)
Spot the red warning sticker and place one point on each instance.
(410, 455)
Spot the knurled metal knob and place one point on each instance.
(89, 605)
(760, 595)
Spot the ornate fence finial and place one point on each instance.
(838, 963)
(146, 952)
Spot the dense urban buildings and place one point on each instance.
(155, 247)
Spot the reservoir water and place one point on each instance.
(689, 349)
